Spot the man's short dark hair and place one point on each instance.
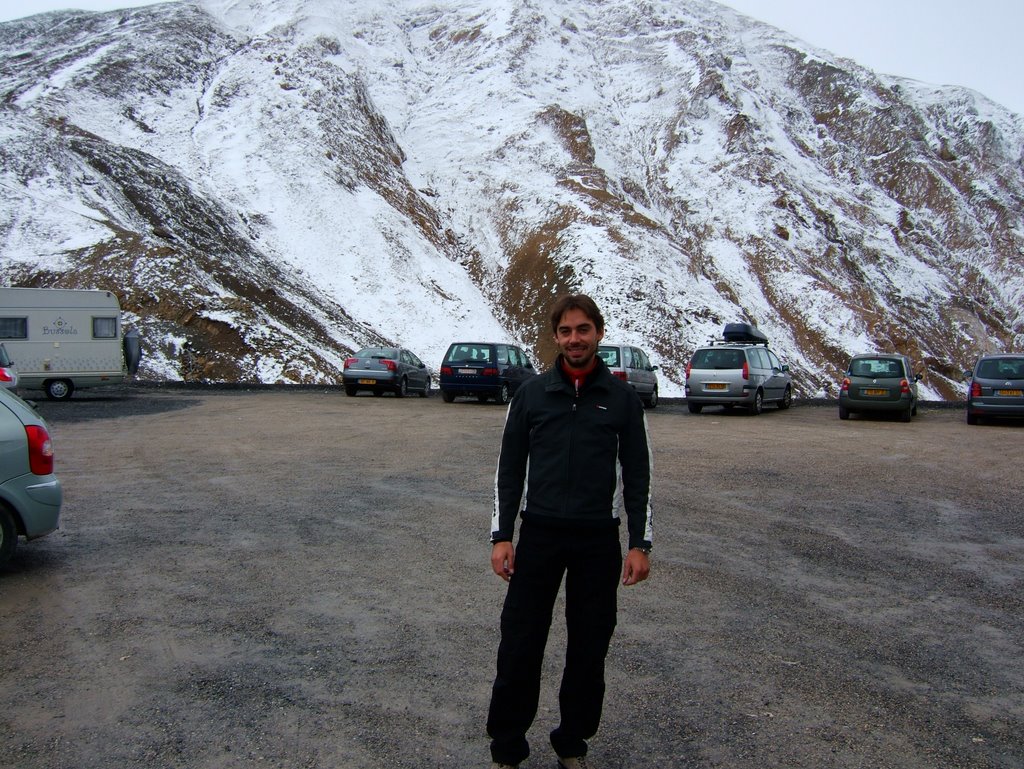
(580, 302)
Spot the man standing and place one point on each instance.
(577, 437)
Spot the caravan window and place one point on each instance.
(104, 328)
(13, 328)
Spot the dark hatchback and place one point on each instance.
(879, 382)
(484, 370)
(386, 369)
(996, 387)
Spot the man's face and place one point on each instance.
(577, 338)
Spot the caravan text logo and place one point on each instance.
(60, 327)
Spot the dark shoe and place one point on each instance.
(576, 762)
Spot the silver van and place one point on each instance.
(739, 370)
(631, 364)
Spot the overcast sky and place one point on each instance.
(946, 42)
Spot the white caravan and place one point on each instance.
(64, 339)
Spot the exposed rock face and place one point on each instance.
(269, 184)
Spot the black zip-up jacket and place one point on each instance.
(576, 452)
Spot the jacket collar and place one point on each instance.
(557, 379)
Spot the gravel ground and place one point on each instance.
(295, 578)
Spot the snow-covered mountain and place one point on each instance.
(269, 184)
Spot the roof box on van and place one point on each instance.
(743, 332)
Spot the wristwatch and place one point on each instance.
(644, 550)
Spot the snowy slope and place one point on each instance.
(419, 172)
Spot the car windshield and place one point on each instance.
(379, 353)
(610, 355)
(877, 367)
(718, 359)
(1001, 368)
(480, 352)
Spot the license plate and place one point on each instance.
(716, 386)
(367, 381)
(467, 370)
(1011, 393)
(874, 391)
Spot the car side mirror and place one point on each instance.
(967, 374)
(654, 368)
(918, 377)
(529, 365)
(423, 365)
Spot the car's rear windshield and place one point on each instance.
(877, 367)
(610, 355)
(377, 352)
(1001, 368)
(480, 352)
(4, 360)
(718, 359)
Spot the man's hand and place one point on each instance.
(503, 559)
(636, 568)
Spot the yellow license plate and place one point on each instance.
(874, 391)
(367, 381)
(1011, 393)
(716, 386)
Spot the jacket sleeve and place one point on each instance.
(510, 477)
(636, 460)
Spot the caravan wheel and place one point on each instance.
(59, 389)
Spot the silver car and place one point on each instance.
(8, 374)
(996, 387)
(386, 369)
(631, 364)
(30, 494)
(740, 370)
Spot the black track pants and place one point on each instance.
(591, 559)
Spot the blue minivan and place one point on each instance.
(484, 370)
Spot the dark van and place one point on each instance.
(484, 370)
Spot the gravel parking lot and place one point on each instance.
(295, 578)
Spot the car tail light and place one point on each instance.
(845, 386)
(689, 368)
(904, 387)
(349, 362)
(746, 370)
(5, 375)
(446, 370)
(390, 365)
(40, 450)
(490, 372)
(975, 389)
(621, 375)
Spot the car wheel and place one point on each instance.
(425, 392)
(695, 408)
(350, 390)
(787, 399)
(844, 413)
(905, 416)
(8, 536)
(403, 388)
(447, 397)
(652, 402)
(506, 393)
(757, 406)
(972, 419)
(59, 389)
(913, 411)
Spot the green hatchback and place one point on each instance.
(879, 382)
